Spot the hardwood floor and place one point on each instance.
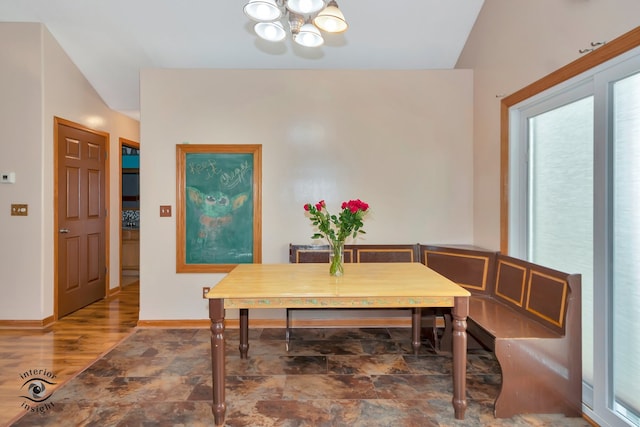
(63, 349)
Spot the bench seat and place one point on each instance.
(501, 321)
(530, 317)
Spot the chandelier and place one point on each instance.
(304, 18)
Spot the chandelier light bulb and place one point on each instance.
(270, 31)
(262, 10)
(305, 7)
(309, 36)
(331, 19)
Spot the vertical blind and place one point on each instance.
(561, 201)
(626, 246)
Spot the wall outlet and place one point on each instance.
(205, 291)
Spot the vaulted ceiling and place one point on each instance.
(110, 41)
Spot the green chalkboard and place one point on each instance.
(219, 219)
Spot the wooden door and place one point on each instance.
(81, 247)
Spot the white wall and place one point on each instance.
(514, 43)
(399, 140)
(38, 81)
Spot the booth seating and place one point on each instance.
(530, 317)
(527, 314)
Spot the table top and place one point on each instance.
(310, 285)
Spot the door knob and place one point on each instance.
(64, 230)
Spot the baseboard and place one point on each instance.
(26, 324)
(174, 324)
(281, 323)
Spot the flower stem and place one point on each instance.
(336, 258)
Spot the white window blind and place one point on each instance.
(626, 246)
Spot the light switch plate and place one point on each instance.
(7, 177)
(165, 210)
(19, 209)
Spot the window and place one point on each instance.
(573, 204)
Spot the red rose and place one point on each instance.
(307, 207)
(354, 205)
(359, 204)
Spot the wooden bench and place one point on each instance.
(530, 317)
(352, 253)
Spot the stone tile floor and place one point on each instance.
(330, 377)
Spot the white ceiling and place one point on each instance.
(111, 40)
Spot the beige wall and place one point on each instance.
(514, 43)
(399, 140)
(38, 81)
(21, 256)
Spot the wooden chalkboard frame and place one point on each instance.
(211, 160)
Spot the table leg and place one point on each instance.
(244, 333)
(216, 315)
(416, 320)
(459, 314)
(287, 331)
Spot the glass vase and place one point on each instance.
(336, 258)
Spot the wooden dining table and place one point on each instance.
(370, 285)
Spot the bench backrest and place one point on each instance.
(315, 253)
(355, 253)
(471, 267)
(539, 292)
(387, 253)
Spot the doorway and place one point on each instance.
(80, 213)
(129, 212)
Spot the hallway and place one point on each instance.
(63, 349)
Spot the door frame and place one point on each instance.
(56, 122)
(127, 143)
